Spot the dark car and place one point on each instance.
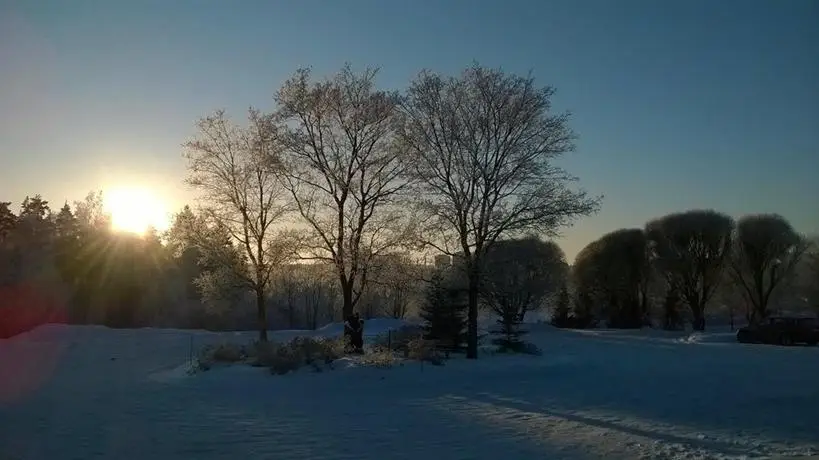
(782, 330)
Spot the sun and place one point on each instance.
(135, 210)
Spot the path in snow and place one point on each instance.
(92, 392)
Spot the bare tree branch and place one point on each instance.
(343, 170)
(692, 249)
(235, 169)
(766, 252)
(482, 147)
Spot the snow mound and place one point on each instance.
(706, 337)
(372, 327)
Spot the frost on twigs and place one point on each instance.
(282, 358)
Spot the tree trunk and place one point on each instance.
(522, 313)
(261, 311)
(472, 317)
(347, 305)
(750, 314)
(698, 323)
(757, 303)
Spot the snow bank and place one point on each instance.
(656, 336)
(712, 337)
(372, 327)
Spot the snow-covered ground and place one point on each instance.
(70, 392)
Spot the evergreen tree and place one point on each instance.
(34, 221)
(66, 235)
(508, 328)
(7, 220)
(444, 313)
(66, 254)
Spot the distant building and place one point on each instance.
(442, 260)
(459, 259)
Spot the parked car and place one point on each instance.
(782, 330)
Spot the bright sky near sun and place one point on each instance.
(678, 104)
(136, 209)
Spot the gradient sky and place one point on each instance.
(678, 104)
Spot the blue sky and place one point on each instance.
(678, 104)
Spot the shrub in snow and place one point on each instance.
(378, 357)
(282, 358)
(420, 349)
(222, 353)
(398, 340)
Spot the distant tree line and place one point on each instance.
(69, 266)
(692, 264)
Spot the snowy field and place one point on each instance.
(88, 392)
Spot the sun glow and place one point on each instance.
(135, 210)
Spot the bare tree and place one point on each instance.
(314, 292)
(313, 296)
(613, 272)
(519, 275)
(396, 278)
(291, 284)
(812, 275)
(90, 212)
(766, 251)
(236, 169)
(343, 171)
(482, 147)
(691, 249)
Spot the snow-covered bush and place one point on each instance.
(420, 349)
(399, 339)
(379, 357)
(301, 351)
(222, 353)
(281, 360)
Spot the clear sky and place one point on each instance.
(678, 104)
